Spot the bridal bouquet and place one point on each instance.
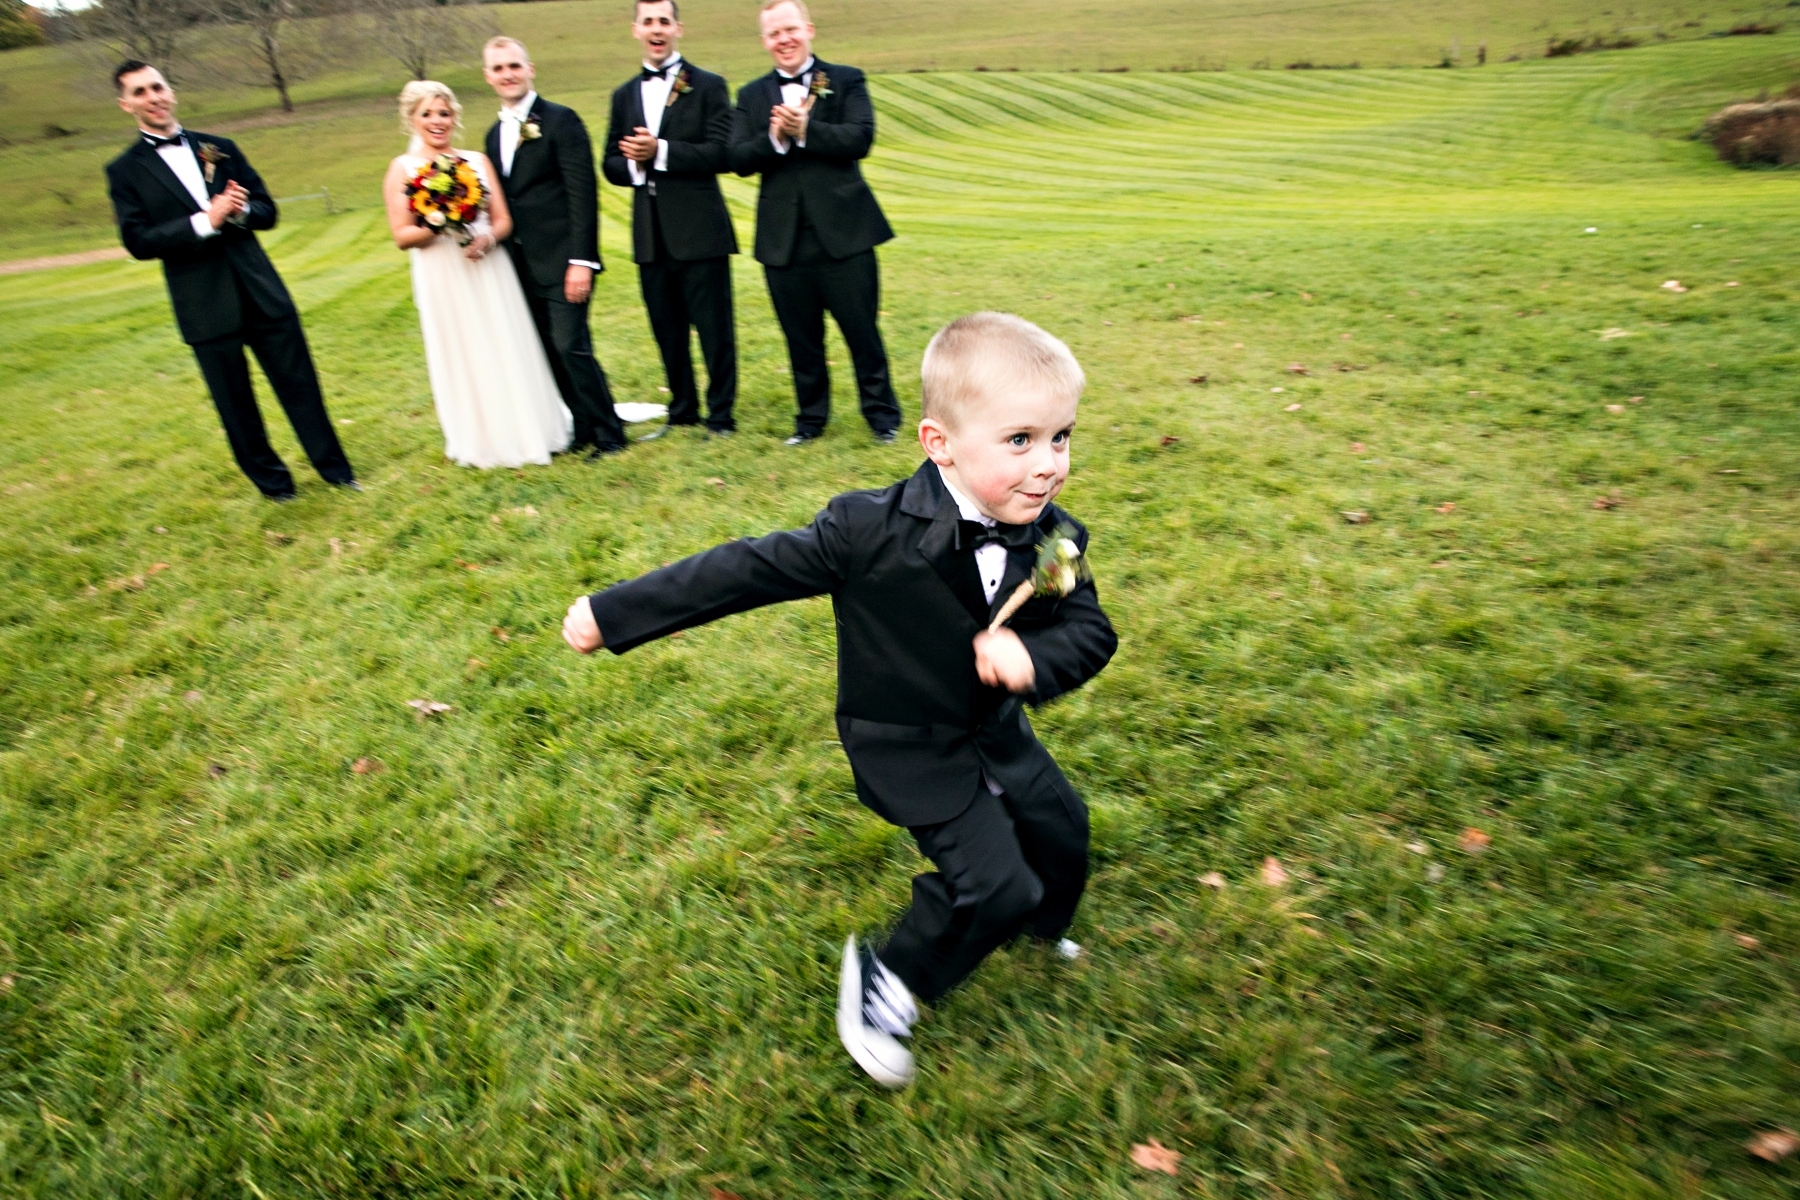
(1061, 568)
(446, 195)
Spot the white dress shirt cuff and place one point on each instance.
(203, 226)
(582, 262)
(780, 144)
(662, 154)
(638, 175)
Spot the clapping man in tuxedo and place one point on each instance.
(547, 171)
(804, 127)
(194, 201)
(668, 139)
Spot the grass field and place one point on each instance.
(577, 936)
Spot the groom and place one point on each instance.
(547, 163)
(193, 200)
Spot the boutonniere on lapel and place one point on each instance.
(681, 87)
(821, 86)
(530, 130)
(1061, 568)
(210, 158)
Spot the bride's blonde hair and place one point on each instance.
(414, 95)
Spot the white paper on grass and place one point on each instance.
(632, 412)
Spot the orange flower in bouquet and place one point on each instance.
(446, 195)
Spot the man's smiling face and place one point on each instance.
(787, 36)
(656, 28)
(147, 96)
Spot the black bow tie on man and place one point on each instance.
(658, 72)
(157, 143)
(973, 535)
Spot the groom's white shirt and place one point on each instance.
(794, 95)
(512, 124)
(182, 160)
(655, 95)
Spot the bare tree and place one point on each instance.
(152, 30)
(282, 50)
(418, 33)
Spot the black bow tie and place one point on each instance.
(973, 535)
(157, 143)
(658, 72)
(800, 78)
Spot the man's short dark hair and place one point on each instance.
(674, 7)
(128, 67)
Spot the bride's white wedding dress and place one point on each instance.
(495, 396)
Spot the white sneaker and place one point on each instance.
(880, 1054)
(1069, 950)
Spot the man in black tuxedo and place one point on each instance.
(546, 167)
(193, 200)
(930, 696)
(668, 139)
(804, 127)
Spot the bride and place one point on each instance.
(494, 393)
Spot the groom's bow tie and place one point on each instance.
(157, 143)
(658, 72)
(800, 78)
(973, 535)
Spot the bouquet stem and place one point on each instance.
(1014, 602)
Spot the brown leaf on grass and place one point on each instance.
(1213, 880)
(1306, 295)
(1292, 408)
(1346, 368)
(1297, 369)
(1474, 841)
(1613, 331)
(1773, 1145)
(278, 539)
(1615, 409)
(1357, 447)
(1154, 1156)
(1635, 400)
(1673, 285)
(216, 770)
(468, 566)
(1446, 508)
(1603, 503)
(719, 1193)
(6, 984)
(337, 547)
(429, 708)
(1196, 379)
(1273, 873)
(716, 482)
(1352, 517)
(157, 568)
(1169, 439)
(502, 634)
(368, 766)
(1746, 941)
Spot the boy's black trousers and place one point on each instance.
(1007, 864)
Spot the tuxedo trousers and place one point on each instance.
(811, 285)
(279, 344)
(697, 294)
(562, 327)
(1007, 864)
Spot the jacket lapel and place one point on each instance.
(159, 170)
(1019, 564)
(926, 497)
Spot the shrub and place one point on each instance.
(1567, 47)
(1761, 131)
(19, 25)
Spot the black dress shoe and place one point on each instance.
(349, 485)
(801, 437)
(885, 436)
(599, 452)
(281, 497)
(721, 433)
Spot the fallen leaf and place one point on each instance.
(719, 1193)
(216, 770)
(716, 482)
(1295, 407)
(1446, 508)
(1434, 873)
(193, 697)
(1213, 880)
(1673, 285)
(1615, 409)
(1297, 369)
(1106, 322)
(429, 708)
(162, 529)
(1273, 873)
(1418, 847)
(1473, 841)
(502, 634)
(1773, 1145)
(337, 547)
(6, 984)
(1154, 1156)
(1169, 439)
(278, 539)
(527, 510)
(1608, 334)
(493, 520)
(1357, 447)
(157, 568)
(1440, 564)
(1733, 283)
(1747, 942)
(1237, 345)
(1196, 379)
(1306, 295)
(1356, 518)
(1162, 931)
(1605, 502)
(1635, 400)
(1277, 390)
(468, 566)
(368, 766)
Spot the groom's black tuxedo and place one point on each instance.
(817, 226)
(226, 296)
(918, 725)
(681, 235)
(931, 747)
(555, 202)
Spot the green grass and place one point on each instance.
(578, 936)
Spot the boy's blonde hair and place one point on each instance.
(974, 356)
(416, 94)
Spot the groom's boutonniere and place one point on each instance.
(821, 86)
(681, 87)
(530, 130)
(1061, 568)
(210, 158)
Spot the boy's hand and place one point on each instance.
(1002, 661)
(580, 629)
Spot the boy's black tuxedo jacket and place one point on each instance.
(688, 203)
(553, 195)
(155, 214)
(823, 175)
(917, 724)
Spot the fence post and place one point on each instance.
(327, 191)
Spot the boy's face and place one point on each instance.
(1008, 453)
